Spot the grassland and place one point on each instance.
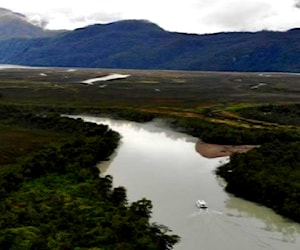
(214, 97)
(147, 89)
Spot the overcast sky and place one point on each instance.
(192, 16)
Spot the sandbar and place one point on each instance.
(209, 150)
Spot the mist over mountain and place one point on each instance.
(140, 44)
(16, 25)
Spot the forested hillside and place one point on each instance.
(139, 44)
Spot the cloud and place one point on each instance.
(66, 19)
(97, 17)
(235, 15)
(254, 15)
(192, 16)
(37, 20)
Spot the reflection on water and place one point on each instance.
(155, 162)
(288, 231)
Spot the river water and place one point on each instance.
(155, 162)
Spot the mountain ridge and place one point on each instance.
(15, 25)
(140, 44)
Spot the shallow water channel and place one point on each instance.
(155, 162)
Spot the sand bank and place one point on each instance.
(209, 150)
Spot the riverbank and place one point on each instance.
(210, 150)
(268, 175)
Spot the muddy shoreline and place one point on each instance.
(210, 150)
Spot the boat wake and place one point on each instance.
(201, 212)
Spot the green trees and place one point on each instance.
(269, 175)
(224, 134)
(55, 199)
(282, 114)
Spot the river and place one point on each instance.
(155, 162)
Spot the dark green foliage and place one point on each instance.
(25, 117)
(225, 134)
(60, 212)
(55, 199)
(142, 45)
(282, 114)
(133, 115)
(269, 175)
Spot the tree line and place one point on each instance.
(225, 134)
(281, 114)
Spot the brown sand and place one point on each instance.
(209, 150)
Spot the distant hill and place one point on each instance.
(16, 25)
(144, 45)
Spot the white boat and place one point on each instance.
(201, 204)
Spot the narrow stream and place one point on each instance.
(155, 162)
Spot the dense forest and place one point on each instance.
(269, 175)
(54, 198)
(282, 114)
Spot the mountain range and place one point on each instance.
(140, 44)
